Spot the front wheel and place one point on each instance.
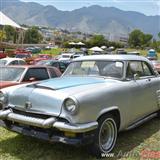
(105, 136)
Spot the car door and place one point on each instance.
(142, 101)
(154, 84)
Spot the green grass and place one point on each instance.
(52, 52)
(18, 147)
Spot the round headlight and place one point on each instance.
(70, 106)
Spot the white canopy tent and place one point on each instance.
(96, 49)
(103, 47)
(4, 20)
(72, 43)
(80, 44)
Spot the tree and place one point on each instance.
(138, 38)
(2, 35)
(32, 36)
(135, 38)
(10, 33)
(146, 39)
(97, 40)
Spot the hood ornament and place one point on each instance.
(28, 105)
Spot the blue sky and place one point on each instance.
(147, 7)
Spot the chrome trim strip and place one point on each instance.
(47, 123)
(77, 128)
(38, 122)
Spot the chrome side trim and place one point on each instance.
(145, 119)
(77, 128)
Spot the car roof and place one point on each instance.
(113, 57)
(12, 59)
(27, 66)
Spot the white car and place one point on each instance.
(12, 61)
(66, 56)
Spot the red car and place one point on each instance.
(156, 65)
(14, 75)
(2, 54)
(42, 57)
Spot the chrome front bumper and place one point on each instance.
(47, 123)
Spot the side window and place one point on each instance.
(36, 73)
(134, 67)
(55, 65)
(14, 62)
(147, 71)
(138, 67)
(52, 73)
(22, 63)
(62, 65)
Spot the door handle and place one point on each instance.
(149, 79)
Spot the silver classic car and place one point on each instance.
(97, 97)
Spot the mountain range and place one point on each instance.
(108, 21)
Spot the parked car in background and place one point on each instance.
(41, 57)
(12, 61)
(134, 53)
(3, 54)
(156, 65)
(97, 97)
(121, 51)
(66, 56)
(152, 55)
(33, 50)
(25, 56)
(21, 51)
(14, 75)
(54, 63)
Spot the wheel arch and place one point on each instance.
(114, 110)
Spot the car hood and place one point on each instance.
(47, 97)
(67, 82)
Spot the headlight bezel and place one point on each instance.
(72, 103)
(3, 99)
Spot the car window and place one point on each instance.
(2, 62)
(55, 64)
(139, 68)
(11, 74)
(147, 71)
(99, 68)
(22, 62)
(14, 62)
(134, 67)
(62, 65)
(36, 73)
(52, 73)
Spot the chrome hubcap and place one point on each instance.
(107, 134)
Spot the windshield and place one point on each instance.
(3, 62)
(112, 69)
(10, 74)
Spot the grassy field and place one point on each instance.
(52, 51)
(17, 147)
